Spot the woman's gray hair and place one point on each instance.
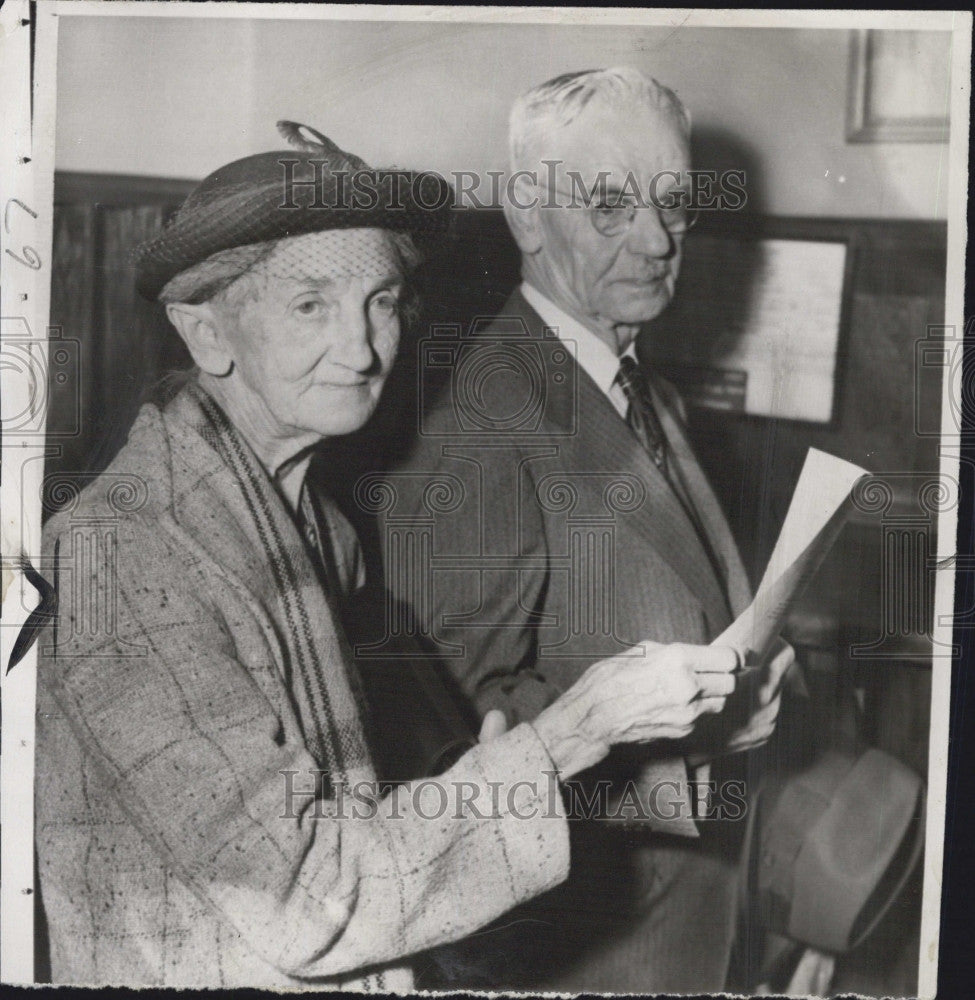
(212, 277)
(552, 105)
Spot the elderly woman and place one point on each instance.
(193, 761)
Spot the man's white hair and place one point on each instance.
(539, 113)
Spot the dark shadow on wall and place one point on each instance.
(715, 149)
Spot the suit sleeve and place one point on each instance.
(198, 754)
(479, 610)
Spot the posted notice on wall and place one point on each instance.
(755, 326)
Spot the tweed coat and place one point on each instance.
(195, 667)
(566, 544)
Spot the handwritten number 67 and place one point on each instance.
(30, 258)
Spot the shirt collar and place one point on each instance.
(595, 356)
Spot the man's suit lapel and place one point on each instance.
(603, 442)
(705, 503)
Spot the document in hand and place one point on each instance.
(819, 508)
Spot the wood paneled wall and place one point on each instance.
(125, 344)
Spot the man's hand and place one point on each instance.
(767, 684)
(750, 716)
(651, 692)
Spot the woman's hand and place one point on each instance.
(650, 692)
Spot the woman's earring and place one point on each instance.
(228, 371)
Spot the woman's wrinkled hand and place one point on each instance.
(650, 692)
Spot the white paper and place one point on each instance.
(819, 508)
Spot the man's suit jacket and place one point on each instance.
(529, 535)
(196, 661)
(560, 542)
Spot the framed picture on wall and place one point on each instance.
(899, 84)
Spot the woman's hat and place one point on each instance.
(269, 196)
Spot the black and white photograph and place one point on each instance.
(480, 496)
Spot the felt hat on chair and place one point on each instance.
(829, 849)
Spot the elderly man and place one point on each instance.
(205, 807)
(586, 524)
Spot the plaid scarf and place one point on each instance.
(333, 739)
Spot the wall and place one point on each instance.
(177, 97)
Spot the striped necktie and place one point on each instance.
(640, 413)
(642, 417)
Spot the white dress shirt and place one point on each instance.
(595, 356)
